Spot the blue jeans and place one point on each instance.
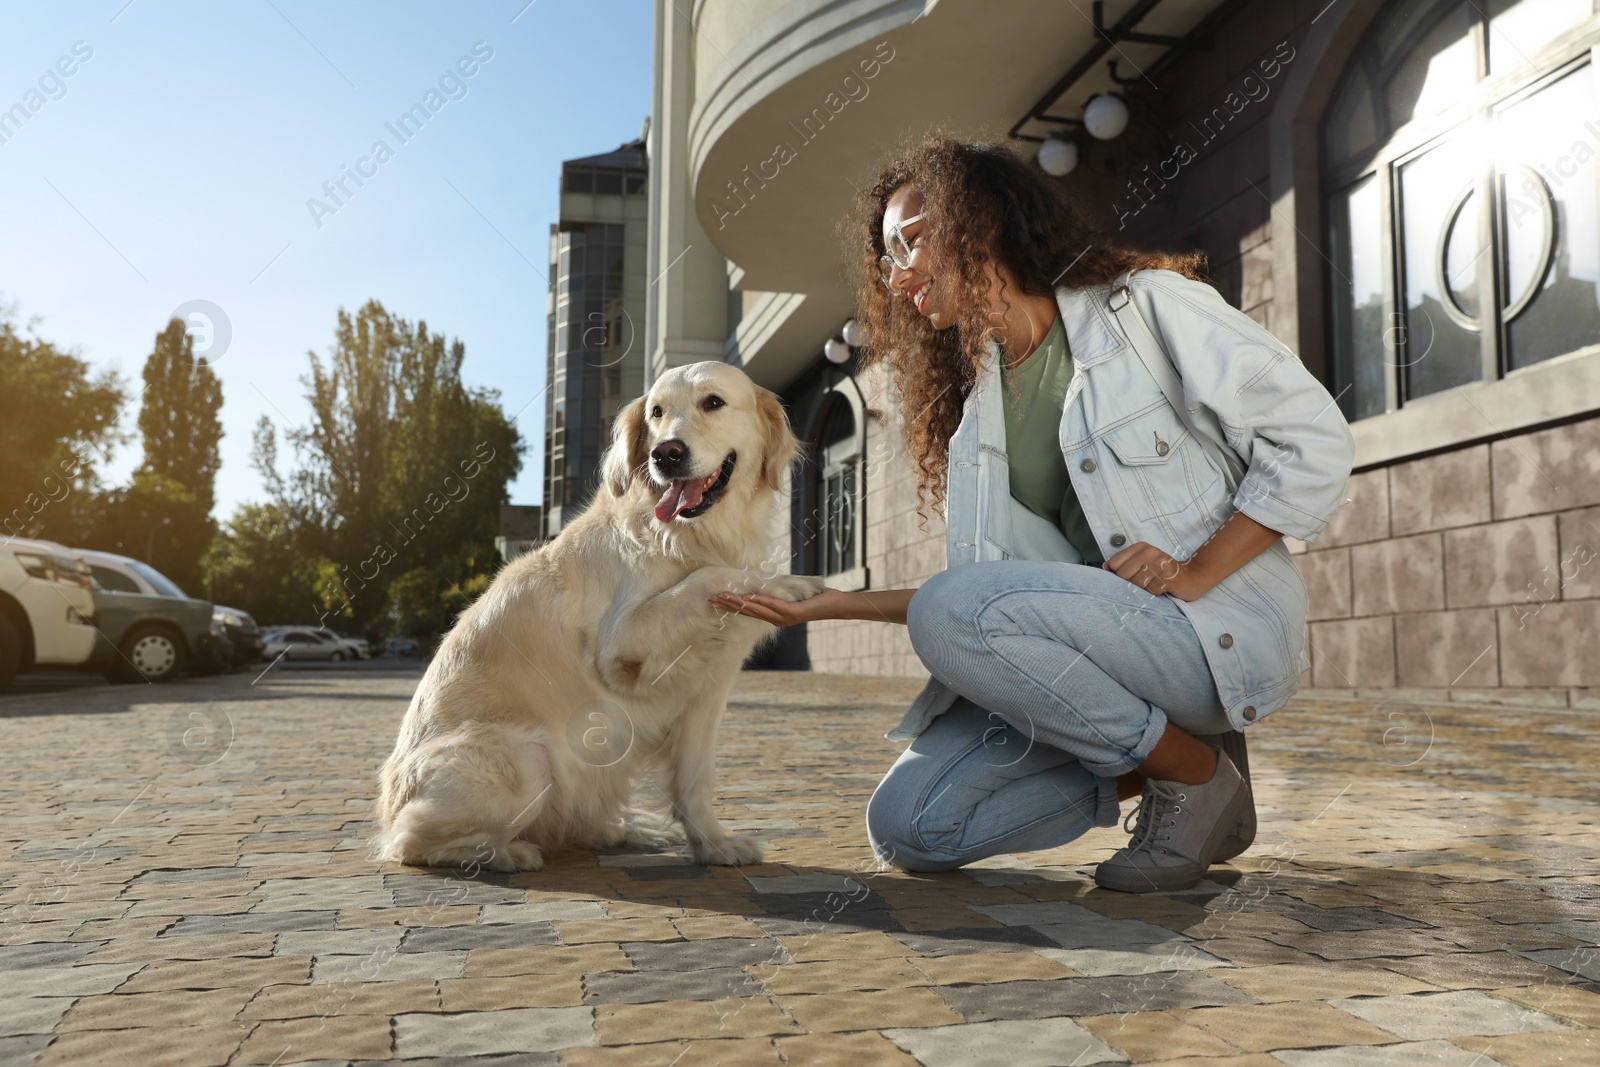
(1068, 677)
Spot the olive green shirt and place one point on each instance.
(1034, 393)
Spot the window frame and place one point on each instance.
(1556, 59)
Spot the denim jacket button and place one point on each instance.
(1250, 714)
(1226, 640)
(1117, 540)
(1087, 466)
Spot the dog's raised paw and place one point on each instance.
(734, 851)
(793, 587)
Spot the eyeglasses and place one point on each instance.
(898, 248)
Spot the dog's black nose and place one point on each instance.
(669, 453)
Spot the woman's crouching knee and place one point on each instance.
(894, 838)
(941, 616)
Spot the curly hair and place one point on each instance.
(982, 203)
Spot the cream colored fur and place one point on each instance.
(599, 658)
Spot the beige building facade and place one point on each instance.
(1405, 193)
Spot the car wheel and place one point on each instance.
(337, 657)
(10, 652)
(152, 653)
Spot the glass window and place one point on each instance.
(1440, 343)
(608, 183)
(114, 581)
(1438, 72)
(577, 180)
(1546, 169)
(1479, 228)
(164, 585)
(1358, 326)
(636, 183)
(1519, 28)
(838, 454)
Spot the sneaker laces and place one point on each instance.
(1156, 811)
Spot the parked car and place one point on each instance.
(150, 629)
(354, 647)
(303, 642)
(241, 631)
(47, 607)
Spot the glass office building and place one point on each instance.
(594, 325)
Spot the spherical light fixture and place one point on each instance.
(1105, 116)
(836, 351)
(854, 334)
(1058, 156)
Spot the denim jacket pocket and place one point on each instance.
(1166, 469)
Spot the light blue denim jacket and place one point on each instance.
(1141, 476)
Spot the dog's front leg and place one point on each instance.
(641, 639)
(693, 779)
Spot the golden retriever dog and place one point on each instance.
(599, 657)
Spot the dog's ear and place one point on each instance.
(779, 445)
(626, 456)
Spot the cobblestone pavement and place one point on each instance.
(185, 881)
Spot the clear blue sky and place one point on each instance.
(177, 161)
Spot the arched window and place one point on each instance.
(1458, 156)
(838, 456)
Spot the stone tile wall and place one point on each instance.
(1470, 575)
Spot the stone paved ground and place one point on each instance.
(185, 882)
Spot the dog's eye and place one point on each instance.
(713, 402)
(655, 412)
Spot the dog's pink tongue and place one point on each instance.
(679, 495)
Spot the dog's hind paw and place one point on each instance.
(728, 852)
(793, 587)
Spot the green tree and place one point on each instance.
(258, 564)
(401, 468)
(164, 516)
(57, 420)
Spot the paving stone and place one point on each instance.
(1463, 1013)
(337, 942)
(283, 1041)
(545, 959)
(1047, 1043)
(864, 945)
(187, 1007)
(497, 935)
(523, 991)
(542, 912)
(1405, 1054)
(1539, 1050)
(838, 976)
(832, 1012)
(697, 955)
(724, 1052)
(44, 954)
(478, 1033)
(1154, 1035)
(1321, 982)
(255, 922)
(218, 974)
(984, 939)
(23, 1050)
(1140, 959)
(79, 980)
(31, 1015)
(630, 1024)
(194, 1046)
(388, 966)
(342, 998)
(858, 1050)
(644, 987)
(1089, 996)
(1286, 1025)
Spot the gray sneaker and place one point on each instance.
(1179, 831)
(1244, 834)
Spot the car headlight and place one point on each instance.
(229, 618)
(57, 569)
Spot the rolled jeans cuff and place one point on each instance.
(1108, 809)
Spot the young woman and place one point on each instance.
(1117, 601)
